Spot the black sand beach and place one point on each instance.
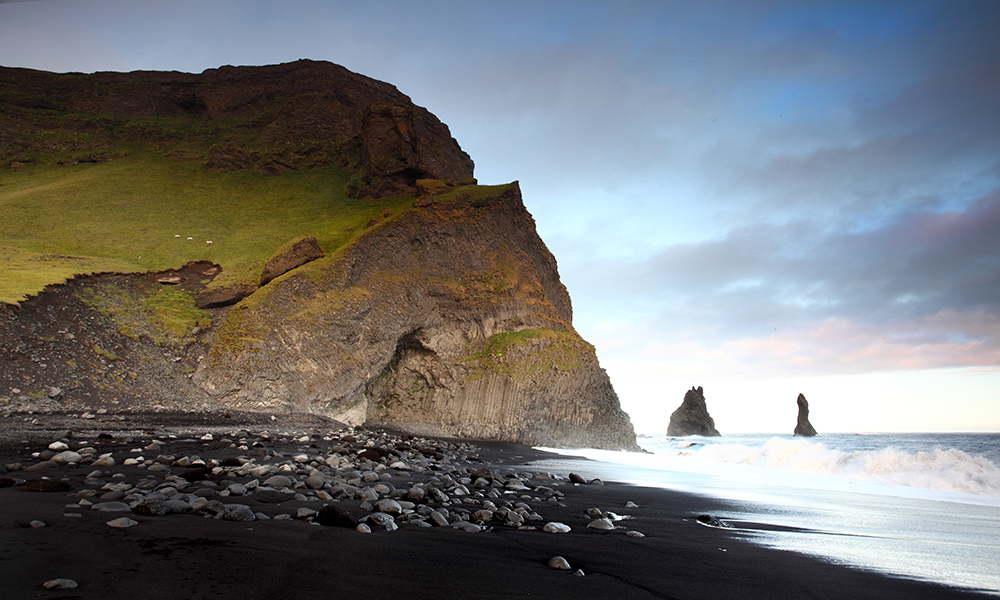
(194, 555)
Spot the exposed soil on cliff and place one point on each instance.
(60, 354)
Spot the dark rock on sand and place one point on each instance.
(334, 516)
(691, 417)
(803, 427)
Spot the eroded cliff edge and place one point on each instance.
(448, 320)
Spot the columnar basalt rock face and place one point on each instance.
(802, 426)
(691, 417)
(450, 320)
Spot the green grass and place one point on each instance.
(126, 215)
(530, 353)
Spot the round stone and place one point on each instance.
(389, 506)
(122, 523)
(363, 528)
(556, 527)
(558, 562)
(58, 446)
(278, 482)
(603, 524)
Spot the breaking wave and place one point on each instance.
(937, 469)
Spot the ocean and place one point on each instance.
(924, 506)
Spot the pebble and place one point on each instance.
(635, 534)
(438, 519)
(558, 562)
(363, 528)
(467, 526)
(579, 573)
(36, 523)
(58, 446)
(556, 527)
(122, 523)
(631, 504)
(602, 523)
(60, 584)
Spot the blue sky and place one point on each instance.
(760, 198)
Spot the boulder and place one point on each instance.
(223, 296)
(802, 426)
(691, 417)
(303, 251)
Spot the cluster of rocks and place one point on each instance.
(325, 479)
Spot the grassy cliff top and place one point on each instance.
(147, 212)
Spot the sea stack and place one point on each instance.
(803, 427)
(691, 417)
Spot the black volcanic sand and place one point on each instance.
(193, 556)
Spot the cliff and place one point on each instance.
(374, 281)
(691, 417)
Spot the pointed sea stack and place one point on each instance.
(691, 417)
(803, 427)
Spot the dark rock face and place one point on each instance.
(450, 320)
(283, 117)
(691, 417)
(802, 426)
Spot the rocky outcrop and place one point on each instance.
(802, 425)
(302, 251)
(449, 320)
(272, 119)
(691, 417)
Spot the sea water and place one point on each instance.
(925, 506)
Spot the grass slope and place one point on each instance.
(137, 213)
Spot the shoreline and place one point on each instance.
(198, 554)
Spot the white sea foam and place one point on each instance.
(937, 469)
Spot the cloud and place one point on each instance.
(921, 291)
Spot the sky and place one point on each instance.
(760, 198)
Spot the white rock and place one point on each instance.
(631, 504)
(58, 446)
(303, 513)
(556, 527)
(122, 523)
(602, 523)
(558, 562)
(59, 584)
(635, 534)
(67, 456)
(104, 460)
(363, 528)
